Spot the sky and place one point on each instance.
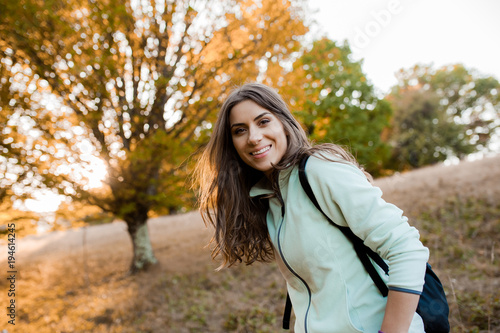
(394, 34)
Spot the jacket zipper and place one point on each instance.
(289, 267)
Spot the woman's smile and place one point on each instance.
(261, 152)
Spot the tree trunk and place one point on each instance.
(143, 251)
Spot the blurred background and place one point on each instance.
(105, 106)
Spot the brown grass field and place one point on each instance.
(77, 280)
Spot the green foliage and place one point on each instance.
(332, 98)
(441, 113)
(423, 132)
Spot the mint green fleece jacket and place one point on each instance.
(329, 287)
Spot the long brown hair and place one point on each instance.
(225, 180)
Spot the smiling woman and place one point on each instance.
(251, 193)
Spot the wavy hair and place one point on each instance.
(225, 180)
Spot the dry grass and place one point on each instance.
(457, 210)
(77, 280)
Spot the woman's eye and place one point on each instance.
(238, 131)
(264, 121)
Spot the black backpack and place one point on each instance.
(432, 307)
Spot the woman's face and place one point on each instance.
(258, 136)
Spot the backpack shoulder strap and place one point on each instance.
(287, 314)
(361, 249)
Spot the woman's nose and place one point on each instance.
(254, 136)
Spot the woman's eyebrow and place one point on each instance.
(255, 119)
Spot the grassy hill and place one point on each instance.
(77, 280)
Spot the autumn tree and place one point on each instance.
(135, 84)
(331, 96)
(451, 111)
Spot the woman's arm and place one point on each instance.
(399, 311)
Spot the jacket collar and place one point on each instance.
(263, 187)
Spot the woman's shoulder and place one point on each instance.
(327, 168)
(325, 161)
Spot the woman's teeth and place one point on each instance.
(261, 151)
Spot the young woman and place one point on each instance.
(251, 194)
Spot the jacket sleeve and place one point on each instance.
(349, 199)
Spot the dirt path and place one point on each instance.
(177, 240)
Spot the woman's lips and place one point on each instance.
(261, 152)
